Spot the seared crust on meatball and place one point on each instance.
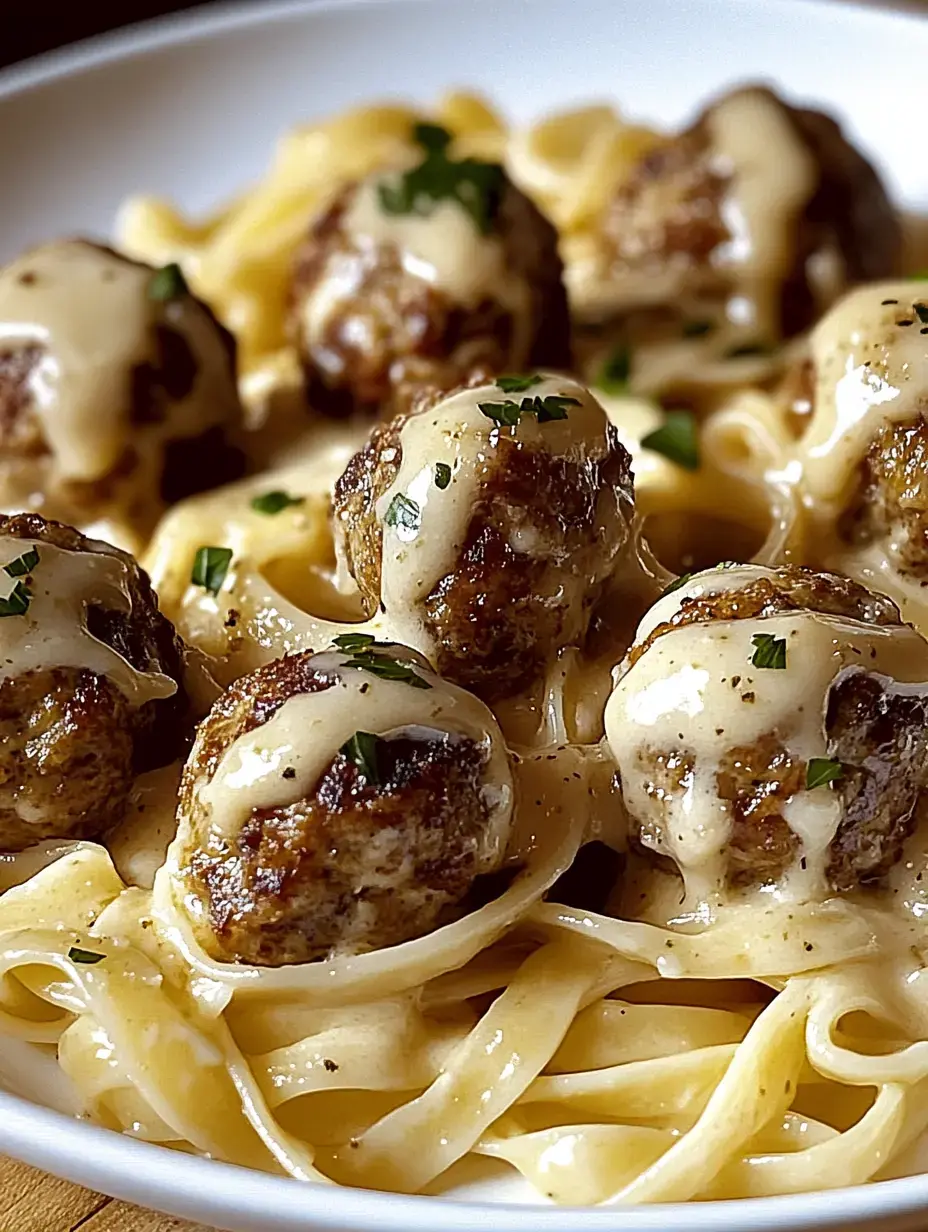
(876, 731)
(353, 865)
(394, 333)
(175, 379)
(891, 503)
(670, 217)
(71, 743)
(497, 616)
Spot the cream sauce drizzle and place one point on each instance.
(457, 433)
(696, 692)
(307, 731)
(53, 631)
(89, 311)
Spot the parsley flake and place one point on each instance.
(677, 439)
(273, 502)
(17, 601)
(821, 771)
(769, 651)
(367, 655)
(22, 565)
(475, 186)
(921, 311)
(517, 384)
(210, 566)
(442, 475)
(167, 283)
(403, 511)
(89, 957)
(681, 581)
(354, 641)
(615, 372)
(361, 749)
(507, 414)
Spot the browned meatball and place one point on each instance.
(864, 444)
(389, 298)
(387, 792)
(92, 691)
(117, 388)
(740, 230)
(771, 728)
(492, 564)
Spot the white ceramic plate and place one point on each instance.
(190, 109)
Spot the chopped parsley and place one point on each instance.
(769, 651)
(367, 655)
(680, 581)
(677, 439)
(697, 329)
(517, 384)
(89, 957)
(22, 564)
(921, 311)
(167, 283)
(476, 186)
(17, 601)
(403, 511)
(507, 414)
(273, 502)
(615, 372)
(442, 475)
(361, 749)
(210, 566)
(919, 276)
(821, 771)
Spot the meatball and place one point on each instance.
(864, 451)
(117, 389)
(92, 691)
(771, 729)
(740, 231)
(390, 294)
(484, 528)
(339, 802)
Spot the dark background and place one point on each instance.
(29, 28)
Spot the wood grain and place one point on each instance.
(30, 1201)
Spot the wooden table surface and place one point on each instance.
(33, 1202)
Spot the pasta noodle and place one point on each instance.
(652, 1049)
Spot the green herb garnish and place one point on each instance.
(167, 283)
(681, 581)
(507, 414)
(921, 311)
(17, 601)
(354, 641)
(362, 750)
(89, 957)
(22, 564)
(769, 651)
(615, 372)
(442, 475)
(517, 384)
(273, 502)
(403, 511)
(210, 566)
(677, 439)
(475, 186)
(822, 770)
(367, 655)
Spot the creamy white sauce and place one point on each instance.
(308, 730)
(90, 313)
(443, 248)
(696, 693)
(457, 433)
(53, 630)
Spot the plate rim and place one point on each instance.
(99, 1158)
